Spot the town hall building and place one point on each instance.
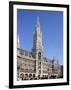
(33, 65)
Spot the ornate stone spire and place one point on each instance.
(18, 42)
(38, 25)
(37, 39)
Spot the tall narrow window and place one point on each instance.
(39, 55)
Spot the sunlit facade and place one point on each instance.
(33, 65)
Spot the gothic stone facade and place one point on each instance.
(33, 65)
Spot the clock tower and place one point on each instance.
(37, 47)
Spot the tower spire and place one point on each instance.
(37, 41)
(38, 23)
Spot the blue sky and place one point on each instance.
(51, 25)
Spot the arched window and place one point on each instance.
(26, 76)
(30, 75)
(22, 76)
(39, 55)
(33, 75)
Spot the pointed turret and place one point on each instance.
(18, 42)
